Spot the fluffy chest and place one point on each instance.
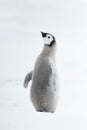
(45, 73)
(53, 76)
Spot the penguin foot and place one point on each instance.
(45, 111)
(39, 110)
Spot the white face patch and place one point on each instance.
(48, 39)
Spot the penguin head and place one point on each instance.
(48, 39)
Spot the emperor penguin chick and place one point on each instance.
(44, 89)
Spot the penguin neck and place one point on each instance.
(49, 51)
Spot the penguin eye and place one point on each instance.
(49, 37)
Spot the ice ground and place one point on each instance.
(17, 112)
(20, 43)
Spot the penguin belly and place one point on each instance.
(44, 86)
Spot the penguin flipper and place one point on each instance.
(27, 79)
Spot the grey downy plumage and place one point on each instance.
(44, 89)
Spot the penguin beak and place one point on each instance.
(43, 34)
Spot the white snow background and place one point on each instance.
(20, 43)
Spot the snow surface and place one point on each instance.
(20, 44)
